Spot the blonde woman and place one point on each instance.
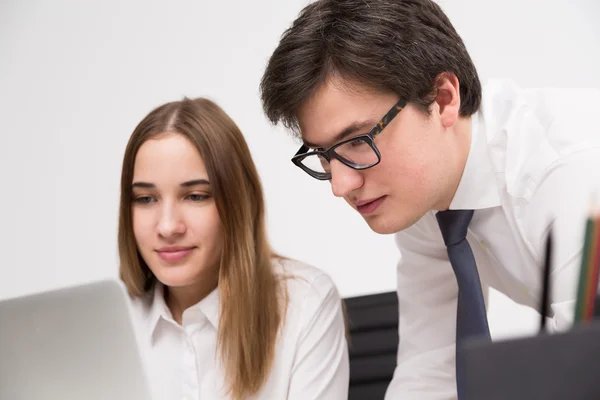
(218, 314)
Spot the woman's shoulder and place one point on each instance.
(303, 277)
(142, 307)
(310, 290)
(141, 304)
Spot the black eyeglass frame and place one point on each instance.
(329, 153)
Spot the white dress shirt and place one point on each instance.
(534, 157)
(311, 355)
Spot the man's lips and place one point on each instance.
(369, 206)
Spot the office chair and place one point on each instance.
(373, 343)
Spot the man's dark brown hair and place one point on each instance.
(398, 46)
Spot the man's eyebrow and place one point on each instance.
(357, 126)
(147, 185)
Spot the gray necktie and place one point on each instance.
(471, 319)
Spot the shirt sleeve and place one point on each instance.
(427, 295)
(321, 369)
(564, 197)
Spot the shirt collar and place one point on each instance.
(206, 308)
(210, 307)
(477, 188)
(158, 308)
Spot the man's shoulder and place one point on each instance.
(506, 104)
(509, 88)
(531, 130)
(551, 102)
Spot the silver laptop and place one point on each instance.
(70, 344)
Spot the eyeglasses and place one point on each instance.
(358, 152)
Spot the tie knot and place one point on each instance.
(453, 225)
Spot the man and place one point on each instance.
(390, 109)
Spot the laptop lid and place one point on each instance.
(547, 366)
(70, 344)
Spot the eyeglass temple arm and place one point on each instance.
(302, 150)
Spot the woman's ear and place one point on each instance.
(448, 98)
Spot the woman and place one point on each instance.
(219, 315)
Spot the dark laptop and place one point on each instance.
(559, 366)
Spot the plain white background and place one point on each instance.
(76, 77)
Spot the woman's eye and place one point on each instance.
(144, 199)
(197, 197)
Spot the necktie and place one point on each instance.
(471, 319)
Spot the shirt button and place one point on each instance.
(483, 244)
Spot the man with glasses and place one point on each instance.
(391, 112)
(359, 152)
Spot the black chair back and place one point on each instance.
(373, 325)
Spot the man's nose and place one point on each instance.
(344, 179)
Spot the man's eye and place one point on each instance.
(358, 143)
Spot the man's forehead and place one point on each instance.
(336, 133)
(335, 112)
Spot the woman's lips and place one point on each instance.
(174, 253)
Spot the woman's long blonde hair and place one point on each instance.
(252, 297)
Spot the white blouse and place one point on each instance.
(311, 354)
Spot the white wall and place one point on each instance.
(76, 77)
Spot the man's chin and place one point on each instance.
(388, 226)
(381, 226)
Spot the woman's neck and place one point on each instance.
(179, 299)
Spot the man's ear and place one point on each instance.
(448, 98)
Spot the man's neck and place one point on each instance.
(463, 132)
